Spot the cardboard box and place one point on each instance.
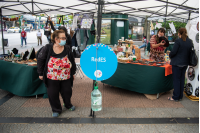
(137, 53)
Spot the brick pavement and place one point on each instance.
(117, 103)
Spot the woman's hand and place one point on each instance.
(73, 77)
(161, 44)
(41, 77)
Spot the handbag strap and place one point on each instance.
(192, 45)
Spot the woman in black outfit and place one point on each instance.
(180, 60)
(56, 67)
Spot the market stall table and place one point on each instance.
(142, 78)
(21, 79)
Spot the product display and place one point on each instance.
(191, 73)
(21, 58)
(189, 89)
(192, 86)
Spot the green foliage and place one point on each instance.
(176, 24)
(70, 17)
(13, 16)
(42, 15)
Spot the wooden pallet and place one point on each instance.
(192, 98)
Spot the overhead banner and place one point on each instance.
(83, 21)
(106, 62)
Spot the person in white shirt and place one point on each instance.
(39, 37)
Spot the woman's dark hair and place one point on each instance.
(162, 30)
(56, 35)
(64, 29)
(183, 33)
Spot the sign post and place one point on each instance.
(98, 62)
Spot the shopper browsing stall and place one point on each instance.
(180, 58)
(56, 67)
(157, 48)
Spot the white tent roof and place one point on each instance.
(140, 8)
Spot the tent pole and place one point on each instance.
(32, 8)
(166, 14)
(63, 20)
(189, 15)
(99, 19)
(2, 32)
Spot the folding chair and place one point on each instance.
(79, 71)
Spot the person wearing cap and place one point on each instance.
(23, 37)
(39, 37)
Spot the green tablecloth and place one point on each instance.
(20, 79)
(168, 48)
(141, 78)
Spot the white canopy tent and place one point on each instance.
(140, 8)
(169, 9)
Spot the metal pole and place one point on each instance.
(166, 13)
(2, 31)
(189, 15)
(99, 19)
(63, 21)
(32, 8)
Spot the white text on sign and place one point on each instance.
(100, 59)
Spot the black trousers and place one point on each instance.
(178, 81)
(54, 88)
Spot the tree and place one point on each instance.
(177, 25)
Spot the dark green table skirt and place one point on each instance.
(141, 78)
(20, 79)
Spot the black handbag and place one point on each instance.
(193, 57)
(77, 53)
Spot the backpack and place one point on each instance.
(40, 50)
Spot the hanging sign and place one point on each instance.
(83, 21)
(120, 23)
(171, 25)
(106, 62)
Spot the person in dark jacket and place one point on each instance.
(56, 67)
(68, 40)
(180, 60)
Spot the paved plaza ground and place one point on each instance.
(123, 112)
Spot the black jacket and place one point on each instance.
(43, 59)
(68, 40)
(180, 54)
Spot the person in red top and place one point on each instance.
(23, 37)
(157, 49)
